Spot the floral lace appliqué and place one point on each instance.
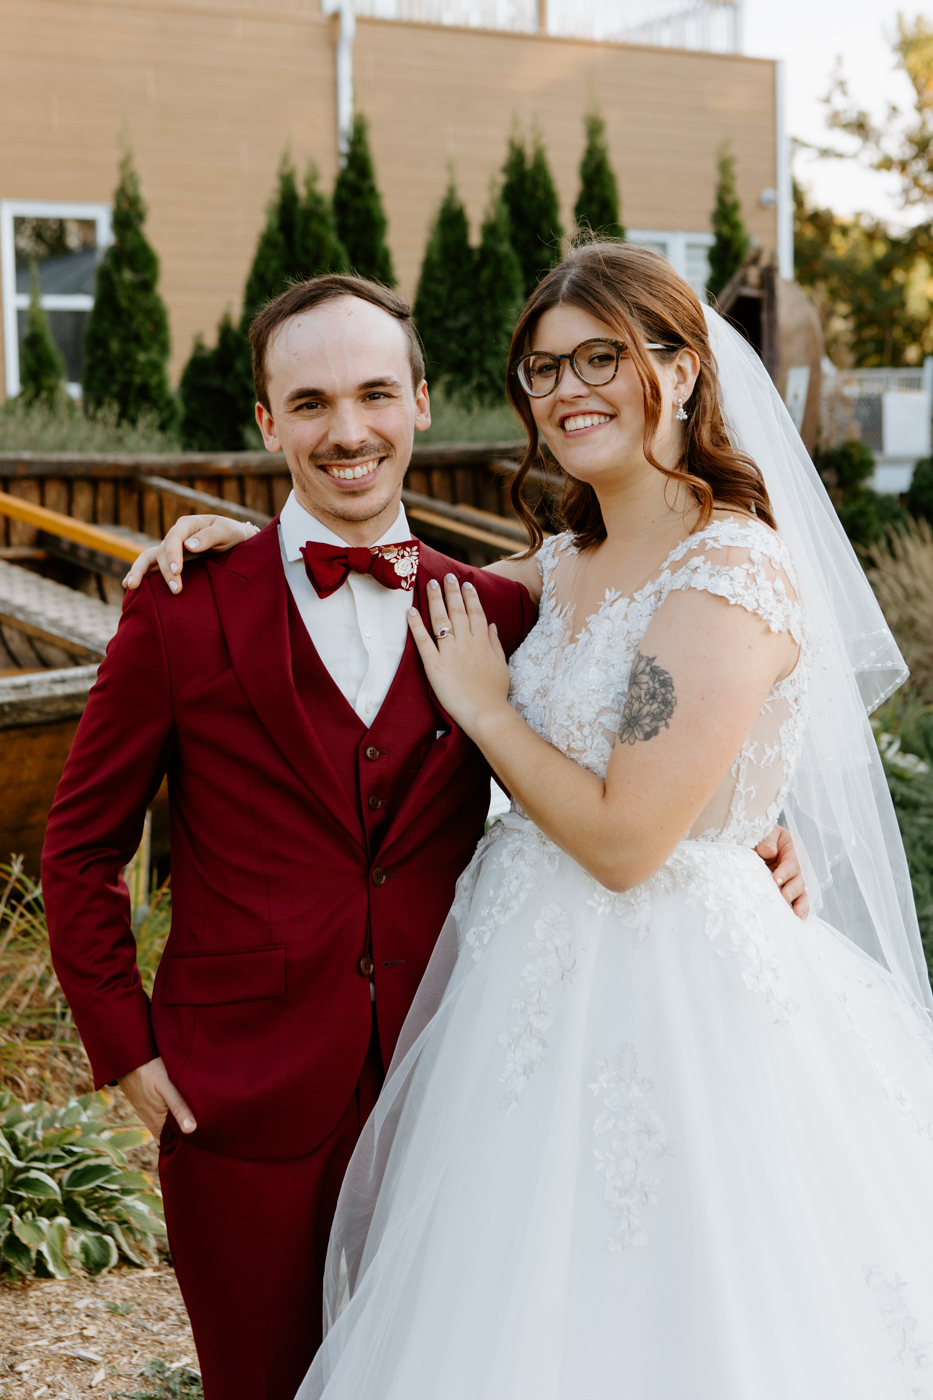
(552, 963)
(630, 1140)
(519, 854)
(901, 1326)
(732, 884)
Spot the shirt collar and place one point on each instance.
(299, 526)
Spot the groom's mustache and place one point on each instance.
(376, 447)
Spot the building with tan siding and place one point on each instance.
(210, 93)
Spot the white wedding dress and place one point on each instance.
(671, 1144)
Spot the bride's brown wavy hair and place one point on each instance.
(643, 299)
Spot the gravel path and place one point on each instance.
(90, 1336)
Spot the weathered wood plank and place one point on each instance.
(44, 695)
(39, 607)
(193, 501)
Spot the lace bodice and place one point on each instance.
(572, 690)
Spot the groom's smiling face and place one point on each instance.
(344, 410)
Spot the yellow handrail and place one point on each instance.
(66, 527)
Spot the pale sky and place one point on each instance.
(810, 35)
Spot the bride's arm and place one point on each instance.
(703, 673)
(197, 533)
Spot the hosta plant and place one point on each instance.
(68, 1199)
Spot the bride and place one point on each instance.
(645, 1134)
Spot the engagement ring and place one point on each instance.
(442, 632)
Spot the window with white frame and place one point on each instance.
(64, 243)
(688, 252)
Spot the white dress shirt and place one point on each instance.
(359, 631)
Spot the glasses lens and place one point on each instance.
(538, 374)
(596, 362)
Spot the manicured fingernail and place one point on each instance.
(412, 612)
(189, 1125)
(193, 544)
(434, 584)
(450, 578)
(470, 587)
(127, 579)
(173, 585)
(174, 568)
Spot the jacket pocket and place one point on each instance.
(219, 979)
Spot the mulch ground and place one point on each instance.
(90, 1336)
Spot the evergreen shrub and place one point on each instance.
(498, 300)
(530, 198)
(920, 495)
(127, 344)
(361, 220)
(732, 240)
(41, 364)
(866, 514)
(597, 206)
(444, 302)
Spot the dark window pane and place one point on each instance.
(65, 251)
(68, 330)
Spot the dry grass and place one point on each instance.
(41, 1055)
(901, 573)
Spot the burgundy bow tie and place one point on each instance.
(392, 565)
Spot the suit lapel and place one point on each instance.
(250, 593)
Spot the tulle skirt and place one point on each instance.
(667, 1145)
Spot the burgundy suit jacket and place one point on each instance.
(259, 1009)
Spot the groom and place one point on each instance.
(322, 807)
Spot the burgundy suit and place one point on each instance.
(305, 849)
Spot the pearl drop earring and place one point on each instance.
(681, 413)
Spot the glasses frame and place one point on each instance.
(619, 346)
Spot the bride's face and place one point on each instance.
(596, 433)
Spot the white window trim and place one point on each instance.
(674, 240)
(14, 301)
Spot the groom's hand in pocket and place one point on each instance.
(154, 1097)
(778, 853)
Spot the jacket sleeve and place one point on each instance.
(117, 761)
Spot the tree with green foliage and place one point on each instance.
(497, 300)
(217, 399)
(920, 495)
(298, 240)
(444, 302)
(869, 285)
(126, 348)
(597, 205)
(361, 220)
(41, 365)
(732, 240)
(865, 514)
(530, 198)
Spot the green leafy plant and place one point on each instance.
(732, 241)
(127, 344)
(360, 217)
(68, 1198)
(530, 198)
(167, 1383)
(444, 302)
(597, 206)
(217, 392)
(866, 514)
(497, 303)
(42, 367)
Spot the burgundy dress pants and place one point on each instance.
(248, 1242)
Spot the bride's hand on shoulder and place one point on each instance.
(464, 660)
(196, 533)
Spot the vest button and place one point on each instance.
(375, 803)
(366, 965)
(379, 876)
(371, 752)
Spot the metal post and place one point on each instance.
(783, 181)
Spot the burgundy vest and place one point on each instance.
(377, 765)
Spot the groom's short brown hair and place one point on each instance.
(305, 296)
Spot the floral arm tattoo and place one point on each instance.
(649, 703)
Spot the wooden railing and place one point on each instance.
(456, 493)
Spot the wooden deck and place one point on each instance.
(40, 619)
